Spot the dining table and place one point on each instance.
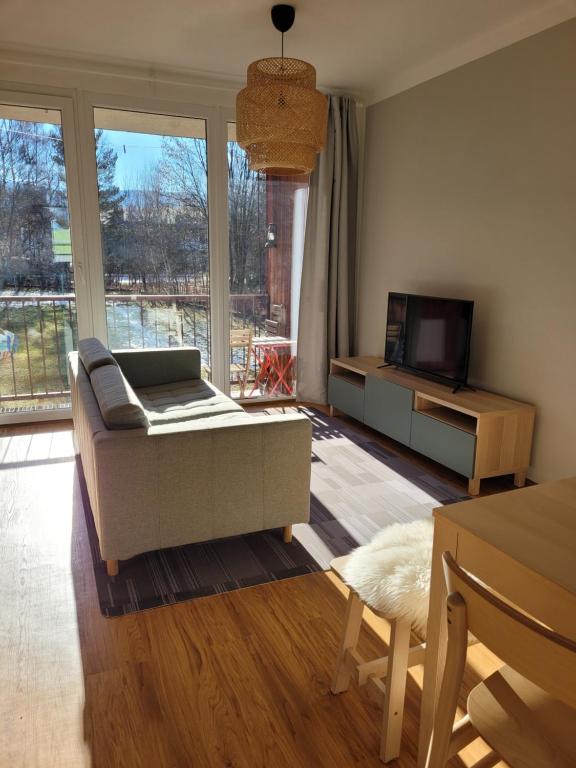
(521, 544)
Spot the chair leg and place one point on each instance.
(352, 624)
(112, 567)
(287, 534)
(395, 690)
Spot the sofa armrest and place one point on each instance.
(152, 367)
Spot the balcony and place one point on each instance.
(38, 330)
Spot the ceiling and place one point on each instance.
(371, 48)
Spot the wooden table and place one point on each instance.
(523, 545)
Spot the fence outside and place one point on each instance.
(38, 330)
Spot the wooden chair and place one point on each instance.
(275, 325)
(241, 338)
(394, 667)
(271, 328)
(526, 711)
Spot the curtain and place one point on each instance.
(326, 324)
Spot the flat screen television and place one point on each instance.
(429, 336)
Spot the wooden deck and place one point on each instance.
(239, 680)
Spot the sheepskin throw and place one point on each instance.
(392, 573)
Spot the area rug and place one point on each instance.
(357, 488)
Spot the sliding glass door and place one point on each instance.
(38, 324)
(153, 183)
(153, 201)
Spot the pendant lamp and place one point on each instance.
(281, 118)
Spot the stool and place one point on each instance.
(397, 557)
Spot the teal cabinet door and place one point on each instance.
(452, 447)
(388, 408)
(346, 397)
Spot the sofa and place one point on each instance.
(169, 459)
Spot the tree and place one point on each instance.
(30, 188)
(110, 199)
(185, 169)
(247, 221)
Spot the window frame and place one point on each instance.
(216, 121)
(77, 214)
(76, 106)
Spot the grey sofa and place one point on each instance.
(170, 460)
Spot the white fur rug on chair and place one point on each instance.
(392, 573)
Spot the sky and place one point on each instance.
(137, 153)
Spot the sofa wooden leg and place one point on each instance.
(287, 534)
(112, 567)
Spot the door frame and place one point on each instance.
(216, 127)
(77, 214)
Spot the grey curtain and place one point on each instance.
(326, 324)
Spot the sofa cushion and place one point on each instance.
(183, 401)
(152, 367)
(119, 406)
(214, 421)
(94, 354)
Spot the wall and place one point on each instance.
(470, 192)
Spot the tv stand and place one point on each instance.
(476, 433)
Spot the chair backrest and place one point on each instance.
(275, 325)
(241, 337)
(271, 328)
(539, 654)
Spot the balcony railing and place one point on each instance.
(42, 329)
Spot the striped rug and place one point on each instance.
(357, 488)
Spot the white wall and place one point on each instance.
(470, 192)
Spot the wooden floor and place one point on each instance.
(238, 680)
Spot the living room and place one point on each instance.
(200, 291)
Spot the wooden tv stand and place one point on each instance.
(476, 433)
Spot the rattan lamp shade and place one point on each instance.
(280, 117)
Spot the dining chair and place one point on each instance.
(526, 711)
(241, 338)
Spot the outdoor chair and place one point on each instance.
(275, 325)
(271, 328)
(240, 371)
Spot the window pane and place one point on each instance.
(153, 180)
(37, 300)
(267, 217)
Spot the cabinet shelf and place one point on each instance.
(349, 376)
(448, 416)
